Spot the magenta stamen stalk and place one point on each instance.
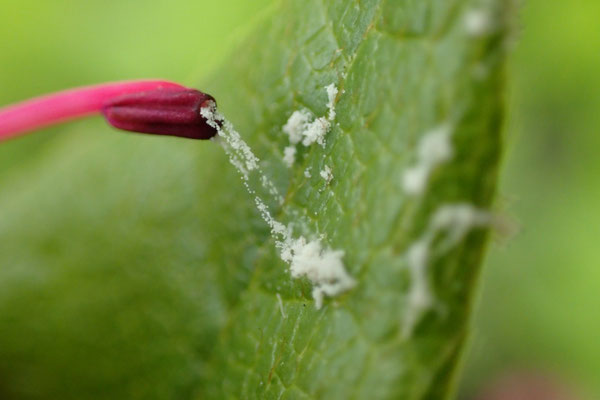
(150, 106)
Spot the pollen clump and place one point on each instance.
(326, 174)
(310, 259)
(323, 267)
(289, 155)
(448, 226)
(434, 149)
(303, 127)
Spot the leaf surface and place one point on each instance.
(139, 266)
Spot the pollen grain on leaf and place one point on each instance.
(455, 221)
(310, 259)
(303, 127)
(434, 148)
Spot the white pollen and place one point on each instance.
(332, 92)
(296, 125)
(326, 174)
(322, 267)
(458, 219)
(239, 149)
(420, 298)
(303, 127)
(289, 156)
(455, 220)
(434, 149)
(477, 23)
(315, 132)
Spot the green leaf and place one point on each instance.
(139, 267)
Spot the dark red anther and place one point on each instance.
(165, 111)
(149, 106)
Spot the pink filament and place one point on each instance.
(70, 104)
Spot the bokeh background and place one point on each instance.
(539, 305)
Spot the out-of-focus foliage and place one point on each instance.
(541, 289)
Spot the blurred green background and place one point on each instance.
(539, 306)
(540, 298)
(52, 45)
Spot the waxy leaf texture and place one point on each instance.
(139, 267)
